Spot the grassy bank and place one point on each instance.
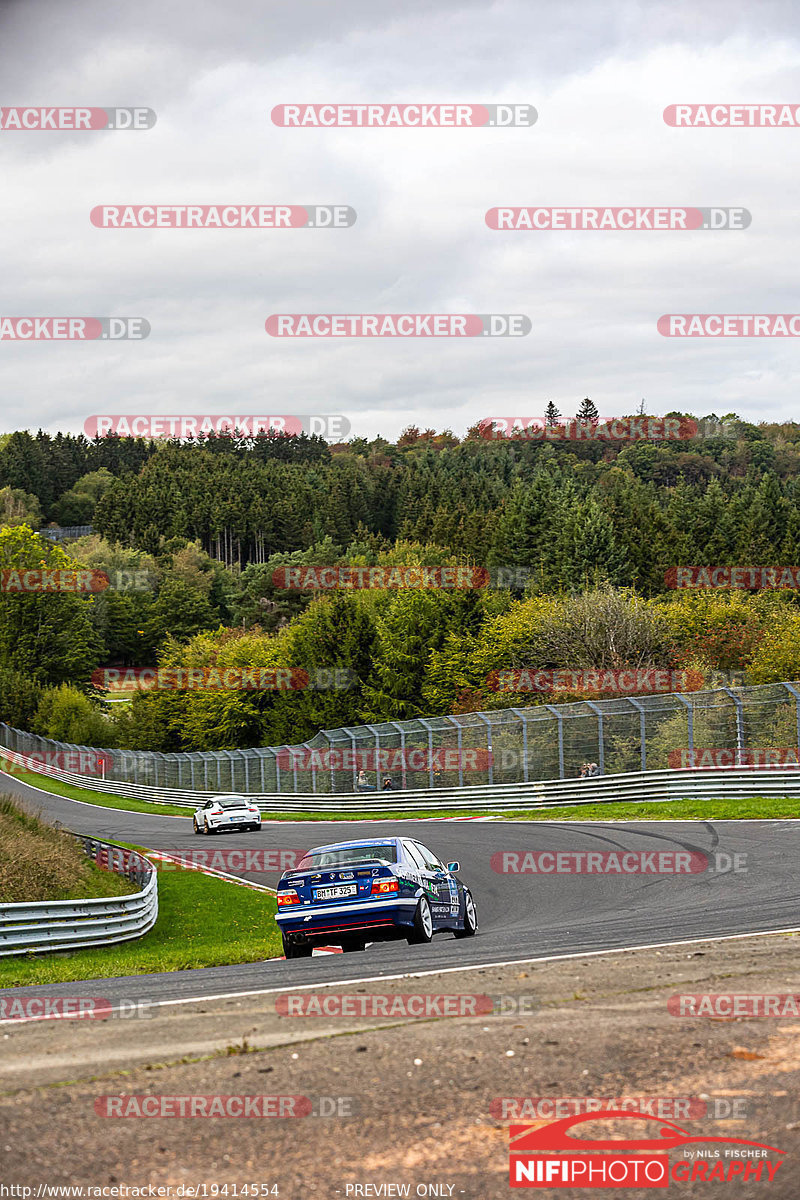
(38, 862)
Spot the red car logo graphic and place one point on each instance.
(556, 1136)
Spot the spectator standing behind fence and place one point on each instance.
(585, 771)
(362, 783)
(388, 786)
(594, 769)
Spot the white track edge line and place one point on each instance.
(513, 962)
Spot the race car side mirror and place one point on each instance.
(454, 867)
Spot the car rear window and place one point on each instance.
(233, 802)
(386, 851)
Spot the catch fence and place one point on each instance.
(726, 727)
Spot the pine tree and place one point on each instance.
(790, 550)
(526, 530)
(588, 549)
(766, 525)
(588, 411)
(715, 532)
(551, 414)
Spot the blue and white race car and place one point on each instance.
(376, 890)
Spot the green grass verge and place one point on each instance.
(202, 922)
(102, 799)
(757, 807)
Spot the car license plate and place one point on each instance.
(329, 893)
(242, 818)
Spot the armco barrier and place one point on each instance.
(650, 786)
(79, 924)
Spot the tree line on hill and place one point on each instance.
(595, 524)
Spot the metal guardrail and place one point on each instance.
(643, 786)
(79, 924)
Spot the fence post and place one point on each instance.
(426, 725)
(642, 731)
(518, 712)
(459, 745)
(796, 695)
(326, 733)
(559, 717)
(231, 767)
(307, 746)
(601, 754)
(376, 734)
(401, 730)
(690, 725)
(353, 749)
(489, 748)
(739, 724)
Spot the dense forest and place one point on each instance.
(191, 535)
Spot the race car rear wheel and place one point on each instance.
(296, 949)
(196, 826)
(470, 918)
(423, 924)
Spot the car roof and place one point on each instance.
(380, 841)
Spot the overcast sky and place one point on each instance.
(599, 76)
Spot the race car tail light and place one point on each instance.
(382, 887)
(289, 897)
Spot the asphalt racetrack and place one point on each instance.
(522, 916)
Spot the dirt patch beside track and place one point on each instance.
(414, 1102)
